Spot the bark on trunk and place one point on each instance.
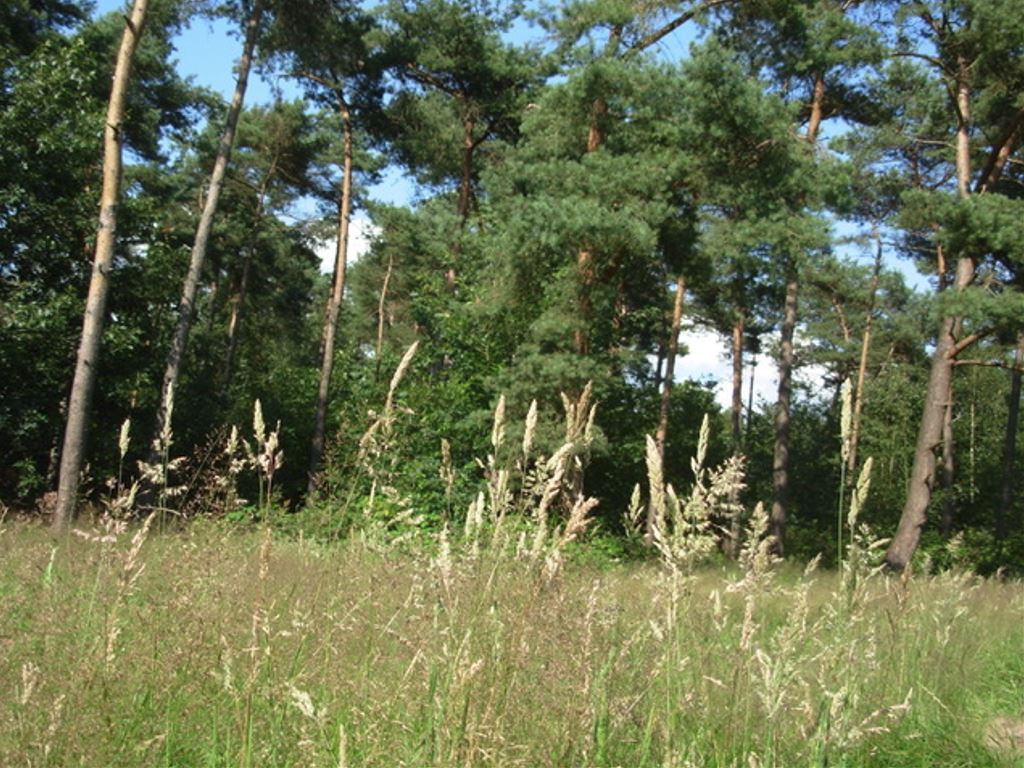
(750, 399)
(1005, 510)
(862, 367)
(963, 133)
(186, 306)
(584, 306)
(466, 173)
(780, 460)
(671, 352)
(595, 134)
(738, 328)
(380, 316)
(731, 545)
(585, 257)
(95, 307)
(817, 109)
(948, 468)
(939, 394)
(237, 303)
(929, 438)
(659, 365)
(334, 304)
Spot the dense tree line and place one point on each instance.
(580, 198)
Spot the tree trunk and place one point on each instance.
(736, 413)
(186, 306)
(80, 400)
(948, 468)
(939, 394)
(334, 304)
(949, 455)
(585, 257)
(929, 438)
(659, 364)
(671, 352)
(584, 306)
(1005, 511)
(380, 316)
(750, 399)
(862, 367)
(237, 302)
(466, 172)
(817, 109)
(731, 545)
(780, 460)
(595, 134)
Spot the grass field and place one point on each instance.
(211, 647)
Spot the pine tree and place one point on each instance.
(92, 326)
(954, 68)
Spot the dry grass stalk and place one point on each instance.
(131, 569)
(481, 662)
(1005, 736)
(157, 475)
(378, 462)
(757, 555)
(531, 429)
(683, 532)
(447, 473)
(846, 419)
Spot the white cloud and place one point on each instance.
(360, 235)
(708, 356)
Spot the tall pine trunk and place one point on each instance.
(84, 383)
(1005, 510)
(730, 546)
(585, 256)
(939, 394)
(948, 469)
(186, 307)
(469, 144)
(238, 300)
(379, 349)
(862, 367)
(334, 304)
(671, 352)
(235, 321)
(929, 439)
(750, 400)
(736, 412)
(780, 456)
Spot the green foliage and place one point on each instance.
(564, 187)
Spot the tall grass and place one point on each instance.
(216, 648)
(490, 643)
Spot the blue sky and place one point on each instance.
(207, 52)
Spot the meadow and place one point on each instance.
(217, 645)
